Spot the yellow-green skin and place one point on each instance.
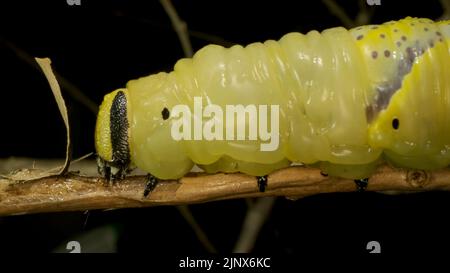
(328, 87)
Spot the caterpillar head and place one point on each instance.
(112, 134)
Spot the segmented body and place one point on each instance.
(348, 99)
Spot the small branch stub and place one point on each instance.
(417, 178)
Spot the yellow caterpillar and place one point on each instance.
(347, 99)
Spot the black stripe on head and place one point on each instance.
(119, 130)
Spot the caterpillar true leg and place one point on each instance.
(150, 185)
(111, 170)
(262, 183)
(361, 184)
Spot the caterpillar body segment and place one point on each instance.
(348, 99)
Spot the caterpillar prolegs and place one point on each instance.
(347, 100)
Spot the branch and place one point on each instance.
(339, 12)
(446, 10)
(254, 221)
(179, 26)
(73, 192)
(199, 232)
(363, 17)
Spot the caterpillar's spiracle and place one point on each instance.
(348, 100)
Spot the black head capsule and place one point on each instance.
(118, 167)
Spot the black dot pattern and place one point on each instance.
(391, 50)
(396, 42)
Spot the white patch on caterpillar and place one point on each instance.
(236, 116)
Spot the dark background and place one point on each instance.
(100, 45)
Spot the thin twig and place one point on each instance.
(254, 221)
(364, 15)
(210, 38)
(339, 12)
(74, 192)
(179, 26)
(207, 37)
(201, 235)
(446, 10)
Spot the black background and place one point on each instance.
(100, 45)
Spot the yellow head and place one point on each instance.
(112, 135)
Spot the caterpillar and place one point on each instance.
(348, 100)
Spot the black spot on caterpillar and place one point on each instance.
(341, 96)
(165, 113)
